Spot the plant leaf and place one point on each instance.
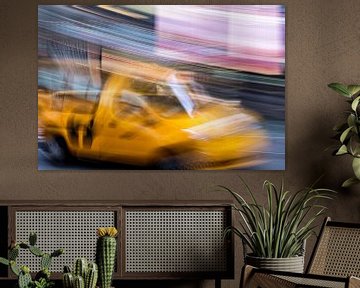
(32, 238)
(345, 134)
(356, 167)
(349, 182)
(342, 150)
(340, 88)
(279, 228)
(353, 89)
(355, 103)
(248, 190)
(354, 143)
(351, 119)
(340, 127)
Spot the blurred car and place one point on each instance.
(152, 116)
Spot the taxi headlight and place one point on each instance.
(196, 135)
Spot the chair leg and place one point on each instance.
(217, 283)
(246, 273)
(251, 279)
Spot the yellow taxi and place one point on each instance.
(151, 116)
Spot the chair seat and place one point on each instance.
(315, 282)
(267, 279)
(335, 262)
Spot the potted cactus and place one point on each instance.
(106, 254)
(42, 278)
(85, 275)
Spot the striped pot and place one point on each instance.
(291, 264)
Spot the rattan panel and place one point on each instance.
(313, 282)
(175, 241)
(260, 280)
(75, 231)
(338, 253)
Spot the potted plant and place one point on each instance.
(348, 132)
(84, 274)
(106, 254)
(87, 274)
(276, 233)
(42, 278)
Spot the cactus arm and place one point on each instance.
(24, 245)
(45, 261)
(24, 280)
(32, 238)
(36, 251)
(13, 253)
(67, 269)
(68, 280)
(79, 282)
(57, 253)
(92, 266)
(91, 276)
(80, 267)
(14, 268)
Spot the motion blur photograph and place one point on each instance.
(169, 87)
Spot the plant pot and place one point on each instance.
(291, 264)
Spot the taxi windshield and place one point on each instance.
(176, 95)
(182, 93)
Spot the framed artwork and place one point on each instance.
(174, 87)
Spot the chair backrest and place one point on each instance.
(337, 251)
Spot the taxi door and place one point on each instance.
(126, 133)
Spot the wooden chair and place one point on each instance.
(334, 263)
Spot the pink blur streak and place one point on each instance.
(241, 37)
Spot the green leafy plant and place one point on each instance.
(43, 283)
(280, 229)
(348, 132)
(42, 278)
